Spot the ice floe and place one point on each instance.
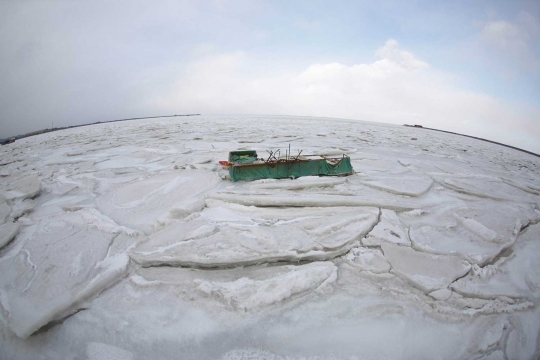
(141, 204)
(514, 275)
(39, 285)
(426, 271)
(239, 241)
(465, 231)
(248, 294)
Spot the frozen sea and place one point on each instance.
(127, 240)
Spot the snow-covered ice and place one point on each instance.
(127, 241)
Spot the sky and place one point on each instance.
(471, 67)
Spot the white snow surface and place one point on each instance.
(127, 240)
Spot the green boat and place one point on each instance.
(246, 165)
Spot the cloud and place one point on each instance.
(406, 60)
(397, 87)
(512, 43)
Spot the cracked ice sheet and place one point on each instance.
(484, 187)
(371, 260)
(236, 235)
(153, 324)
(161, 313)
(515, 276)
(55, 266)
(475, 232)
(389, 229)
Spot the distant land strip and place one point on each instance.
(474, 137)
(33, 133)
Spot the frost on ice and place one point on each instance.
(126, 241)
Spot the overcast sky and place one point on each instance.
(467, 66)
